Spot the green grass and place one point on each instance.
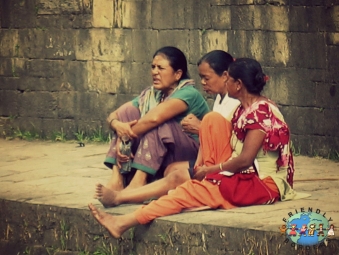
(26, 135)
(59, 136)
(106, 250)
(296, 150)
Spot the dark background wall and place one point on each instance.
(65, 64)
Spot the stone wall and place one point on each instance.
(65, 64)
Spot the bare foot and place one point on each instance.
(108, 221)
(106, 196)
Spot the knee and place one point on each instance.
(177, 177)
(212, 116)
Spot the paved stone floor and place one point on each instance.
(64, 174)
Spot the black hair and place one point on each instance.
(249, 71)
(176, 59)
(218, 60)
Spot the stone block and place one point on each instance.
(135, 78)
(10, 83)
(307, 2)
(327, 95)
(12, 67)
(123, 98)
(284, 86)
(302, 49)
(9, 46)
(17, 14)
(307, 19)
(9, 103)
(332, 18)
(38, 104)
(269, 48)
(75, 76)
(221, 2)
(104, 76)
(299, 121)
(315, 146)
(53, 129)
(47, 7)
(323, 123)
(194, 52)
(242, 17)
(161, 19)
(136, 14)
(103, 13)
(6, 67)
(47, 43)
(104, 45)
(232, 2)
(29, 83)
(333, 56)
(331, 75)
(198, 14)
(214, 40)
(238, 42)
(194, 73)
(271, 18)
(45, 68)
(331, 2)
(84, 105)
(176, 38)
(332, 39)
(144, 44)
(65, 21)
(220, 17)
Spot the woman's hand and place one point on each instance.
(200, 172)
(124, 128)
(121, 158)
(191, 124)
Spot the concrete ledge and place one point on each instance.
(45, 188)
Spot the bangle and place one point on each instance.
(110, 123)
(220, 166)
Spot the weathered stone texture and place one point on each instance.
(135, 78)
(302, 49)
(214, 39)
(307, 19)
(9, 103)
(136, 14)
(270, 17)
(104, 76)
(103, 13)
(221, 18)
(174, 21)
(104, 45)
(144, 44)
(38, 105)
(9, 46)
(47, 43)
(88, 50)
(77, 105)
(18, 14)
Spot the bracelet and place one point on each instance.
(220, 166)
(112, 121)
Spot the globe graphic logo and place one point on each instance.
(307, 228)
